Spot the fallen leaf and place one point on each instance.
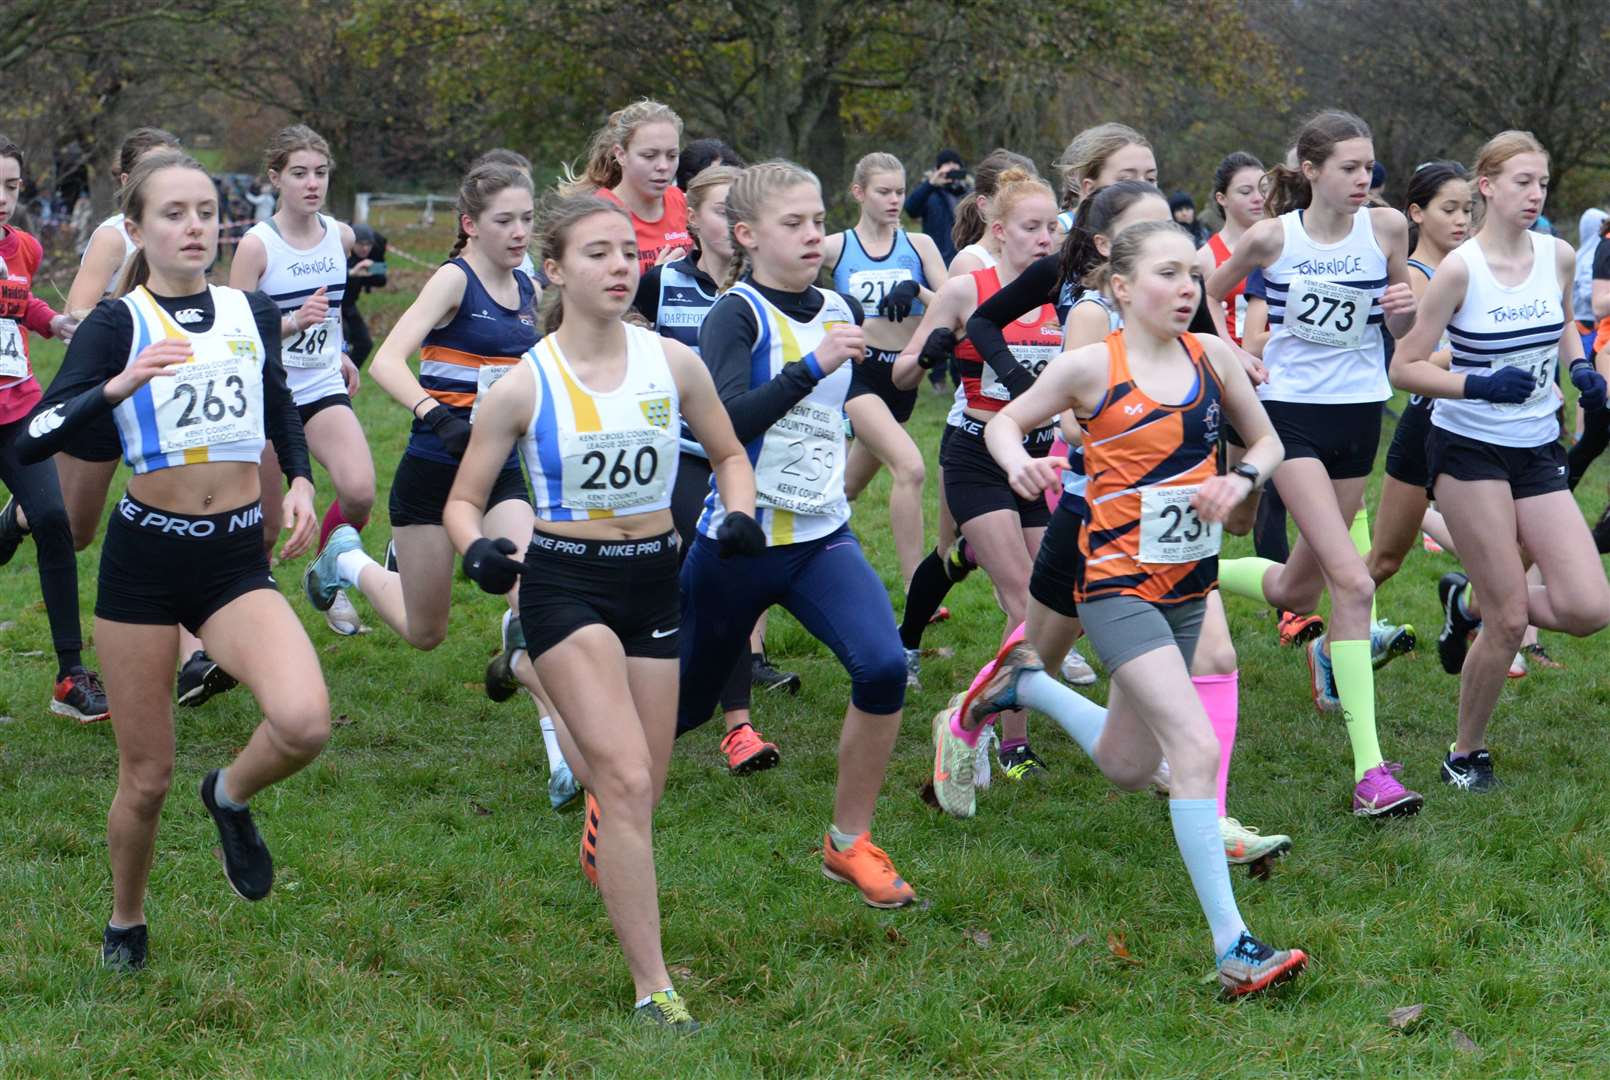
(1401, 1018)
(893, 936)
(1464, 1043)
(479, 809)
(1119, 948)
(681, 971)
(980, 938)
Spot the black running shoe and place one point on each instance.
(11, 531)
(1020, 762)
(765, 677)
(201, 679)
(500, 679)
(1601, 532)
(124, 950)
(1454, 642)
(391, 556)
(81, 696)
(247, 864)
(1473, 772)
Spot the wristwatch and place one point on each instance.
(1251, 475)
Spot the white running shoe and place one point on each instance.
(1244, 844)
(981, 765)
(342, 616)
(1076, 670)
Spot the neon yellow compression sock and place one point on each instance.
(1360, 532)
(1355, 686)
(1244, 577)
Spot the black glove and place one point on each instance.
(1590, 385)
(453, 430)
(487, 563)
(896, 303)
(938, 349)
(1506, 386)
(740, 534)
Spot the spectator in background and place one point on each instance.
(1378, 186)
(933, 202)
(700, 154)
(1183, 209)
(366, 269)
(1590, 230)
(261, 196)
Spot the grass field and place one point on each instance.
(429, 918)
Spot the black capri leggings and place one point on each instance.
(687, 503)
(38, 492)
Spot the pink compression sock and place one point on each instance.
(334, 519)
(1220, 696)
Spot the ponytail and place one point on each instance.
(1095, 217)
(970, 224)
(1285, 189)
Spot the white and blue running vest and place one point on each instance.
(312, 357)
(799, 461)
(1507, 326)
(1325, 318)
(601, 454)
(680, 313)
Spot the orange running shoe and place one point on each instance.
(589, 841)
(868, 868)
(746, 751)
(1299, 629)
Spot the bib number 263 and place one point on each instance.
(201, 404)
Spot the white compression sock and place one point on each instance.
(550, 742)
(1080, 717)
(1196, 831)
(349, 564)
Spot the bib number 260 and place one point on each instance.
(619, 475)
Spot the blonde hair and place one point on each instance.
(481, 184)
(1088, 152)
(602, 171)
(288, 141)
(559, 214)
(1012, 187)
(746, 199)
(1126, 249)
(1500, 148)
(876, 162)
(132, 201)
(700, 187)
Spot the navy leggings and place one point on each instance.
(38, 492)
(826, 584)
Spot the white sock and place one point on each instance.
(842, 840)
(1196, 831)
(1080, 717)
(220, 792)
(550, 742)
(349, 564)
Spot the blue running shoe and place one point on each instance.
(1388, 642)
(321, 581)
(1250, 966)
(1321, 679)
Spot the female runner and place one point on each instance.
(299, 258)
(776, 346)
(892, 289)
(632, 162)
(36, 503)
(1497, 469)
(594, 411)
(1336, 271)
(1151, 399)
(1002, 530)
(191, 375)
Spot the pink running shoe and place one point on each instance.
(1380, 795)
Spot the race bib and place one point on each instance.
(1540, 362)
(208, 402)
(1170, 531)
(13, 361)
(319, 346)
(1031, 358)
(1328, 314)
(869, 287)
(486, 377)
(616, 469)
(801, 466)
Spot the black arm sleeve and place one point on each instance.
(1035, 286)
(725, 340)
(647, 301)
(281, 422)
(76, 399)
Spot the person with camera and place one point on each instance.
(933, 202)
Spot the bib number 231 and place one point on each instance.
(1170, 531)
